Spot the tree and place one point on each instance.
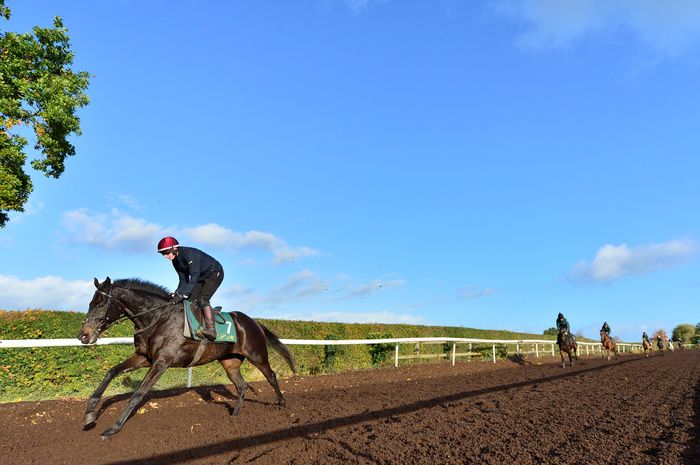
(661, 333)
(39, 90)
(551, 331)
(683, 332)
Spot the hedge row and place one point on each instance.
(53, 372)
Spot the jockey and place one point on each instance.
(659, 343)
(606, 328)
(645, 337)
(563, 323)
(200, 276)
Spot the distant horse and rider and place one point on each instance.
(566, 341)
(660, 344)
(646, 345)
(160, 343)
(606, 341)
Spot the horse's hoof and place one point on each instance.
(89, 419)
(109, 433)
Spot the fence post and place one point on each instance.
(189, 377)
(517, 348)
(396, 356)
(537, 352)
(552, 349)
(454, 352)
(494, 353)
(469, 359)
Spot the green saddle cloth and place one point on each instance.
(225, 328)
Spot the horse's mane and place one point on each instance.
(137, 284)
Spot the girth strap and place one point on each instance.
(198, 354)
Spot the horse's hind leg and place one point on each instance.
(264, 367)
(233, 370)
(131, 363)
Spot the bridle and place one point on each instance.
(126, 314)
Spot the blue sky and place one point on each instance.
(482, 164)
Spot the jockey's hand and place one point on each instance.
(177, 298)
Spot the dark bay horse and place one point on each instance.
(160, 344)
(567, 344)
(608, 344)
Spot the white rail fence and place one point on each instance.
(522, 346)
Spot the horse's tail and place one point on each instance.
(279, 347)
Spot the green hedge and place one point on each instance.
(54, 372)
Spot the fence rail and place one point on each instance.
(538, 346)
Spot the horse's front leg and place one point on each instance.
(132, 363)
(561, 354)
(154, 373)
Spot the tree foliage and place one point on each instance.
(551, 331)
(38, 90)
(683, 332)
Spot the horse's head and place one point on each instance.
(103, 311)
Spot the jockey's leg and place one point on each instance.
(209, 286)
(208, 330)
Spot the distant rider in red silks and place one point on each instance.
(200, 276)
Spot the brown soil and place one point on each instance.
(633, 410)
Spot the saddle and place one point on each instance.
(194, 318)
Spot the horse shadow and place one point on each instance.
(205, 392)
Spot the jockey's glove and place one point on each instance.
(177, 298)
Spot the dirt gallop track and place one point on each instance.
(633, 410)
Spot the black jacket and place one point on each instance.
(192, 266)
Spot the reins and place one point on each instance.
(125, 312)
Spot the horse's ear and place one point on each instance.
(97, 283)
(108, 281)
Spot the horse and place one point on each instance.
(159, 343)
(646, 345)
(660, 345)
(608, 344)
(567, 344)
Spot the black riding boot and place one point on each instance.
(208, 329)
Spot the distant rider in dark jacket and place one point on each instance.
(605, 329)
(563, 323)
(200, 276)
(659, 343)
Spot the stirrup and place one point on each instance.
(206, 333)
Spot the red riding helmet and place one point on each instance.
(167, 243)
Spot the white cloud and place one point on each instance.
(302, 285)
(30, 208)
(670, 27)
(352, 317)
(216, 235)
(376, 285)
(112, 231)
(120, 231)
(47, 292)
(473, 292)
(612, 262)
